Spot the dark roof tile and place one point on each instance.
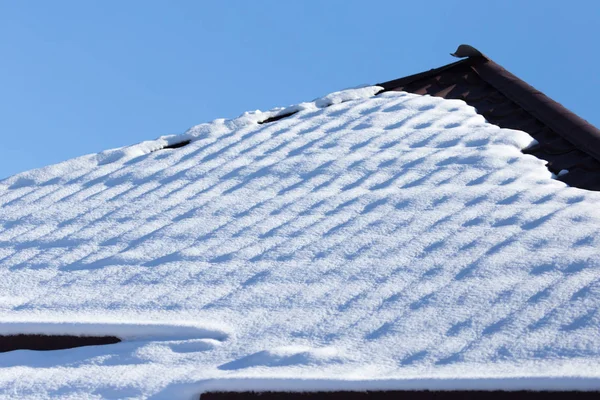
(566, 141)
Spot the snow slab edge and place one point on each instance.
(123, 330)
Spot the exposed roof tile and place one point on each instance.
(566, 141)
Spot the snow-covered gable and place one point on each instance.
(384, 241)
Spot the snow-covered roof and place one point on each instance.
(569, 144)
(368, 241)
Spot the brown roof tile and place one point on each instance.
(566, 141)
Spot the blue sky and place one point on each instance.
(78, 77)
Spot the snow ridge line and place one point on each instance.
(223, 126)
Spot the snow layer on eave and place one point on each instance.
(392, 238)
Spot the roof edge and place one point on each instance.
(393, 84)
(570, 126)
(469, 53)
(563, 121)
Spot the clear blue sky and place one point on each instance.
(78, 77)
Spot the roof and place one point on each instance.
(565, 140)
(368, 241)
(405, 395)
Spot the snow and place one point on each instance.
(368, 241)
(123, 330)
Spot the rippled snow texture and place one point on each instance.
(386, 236)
